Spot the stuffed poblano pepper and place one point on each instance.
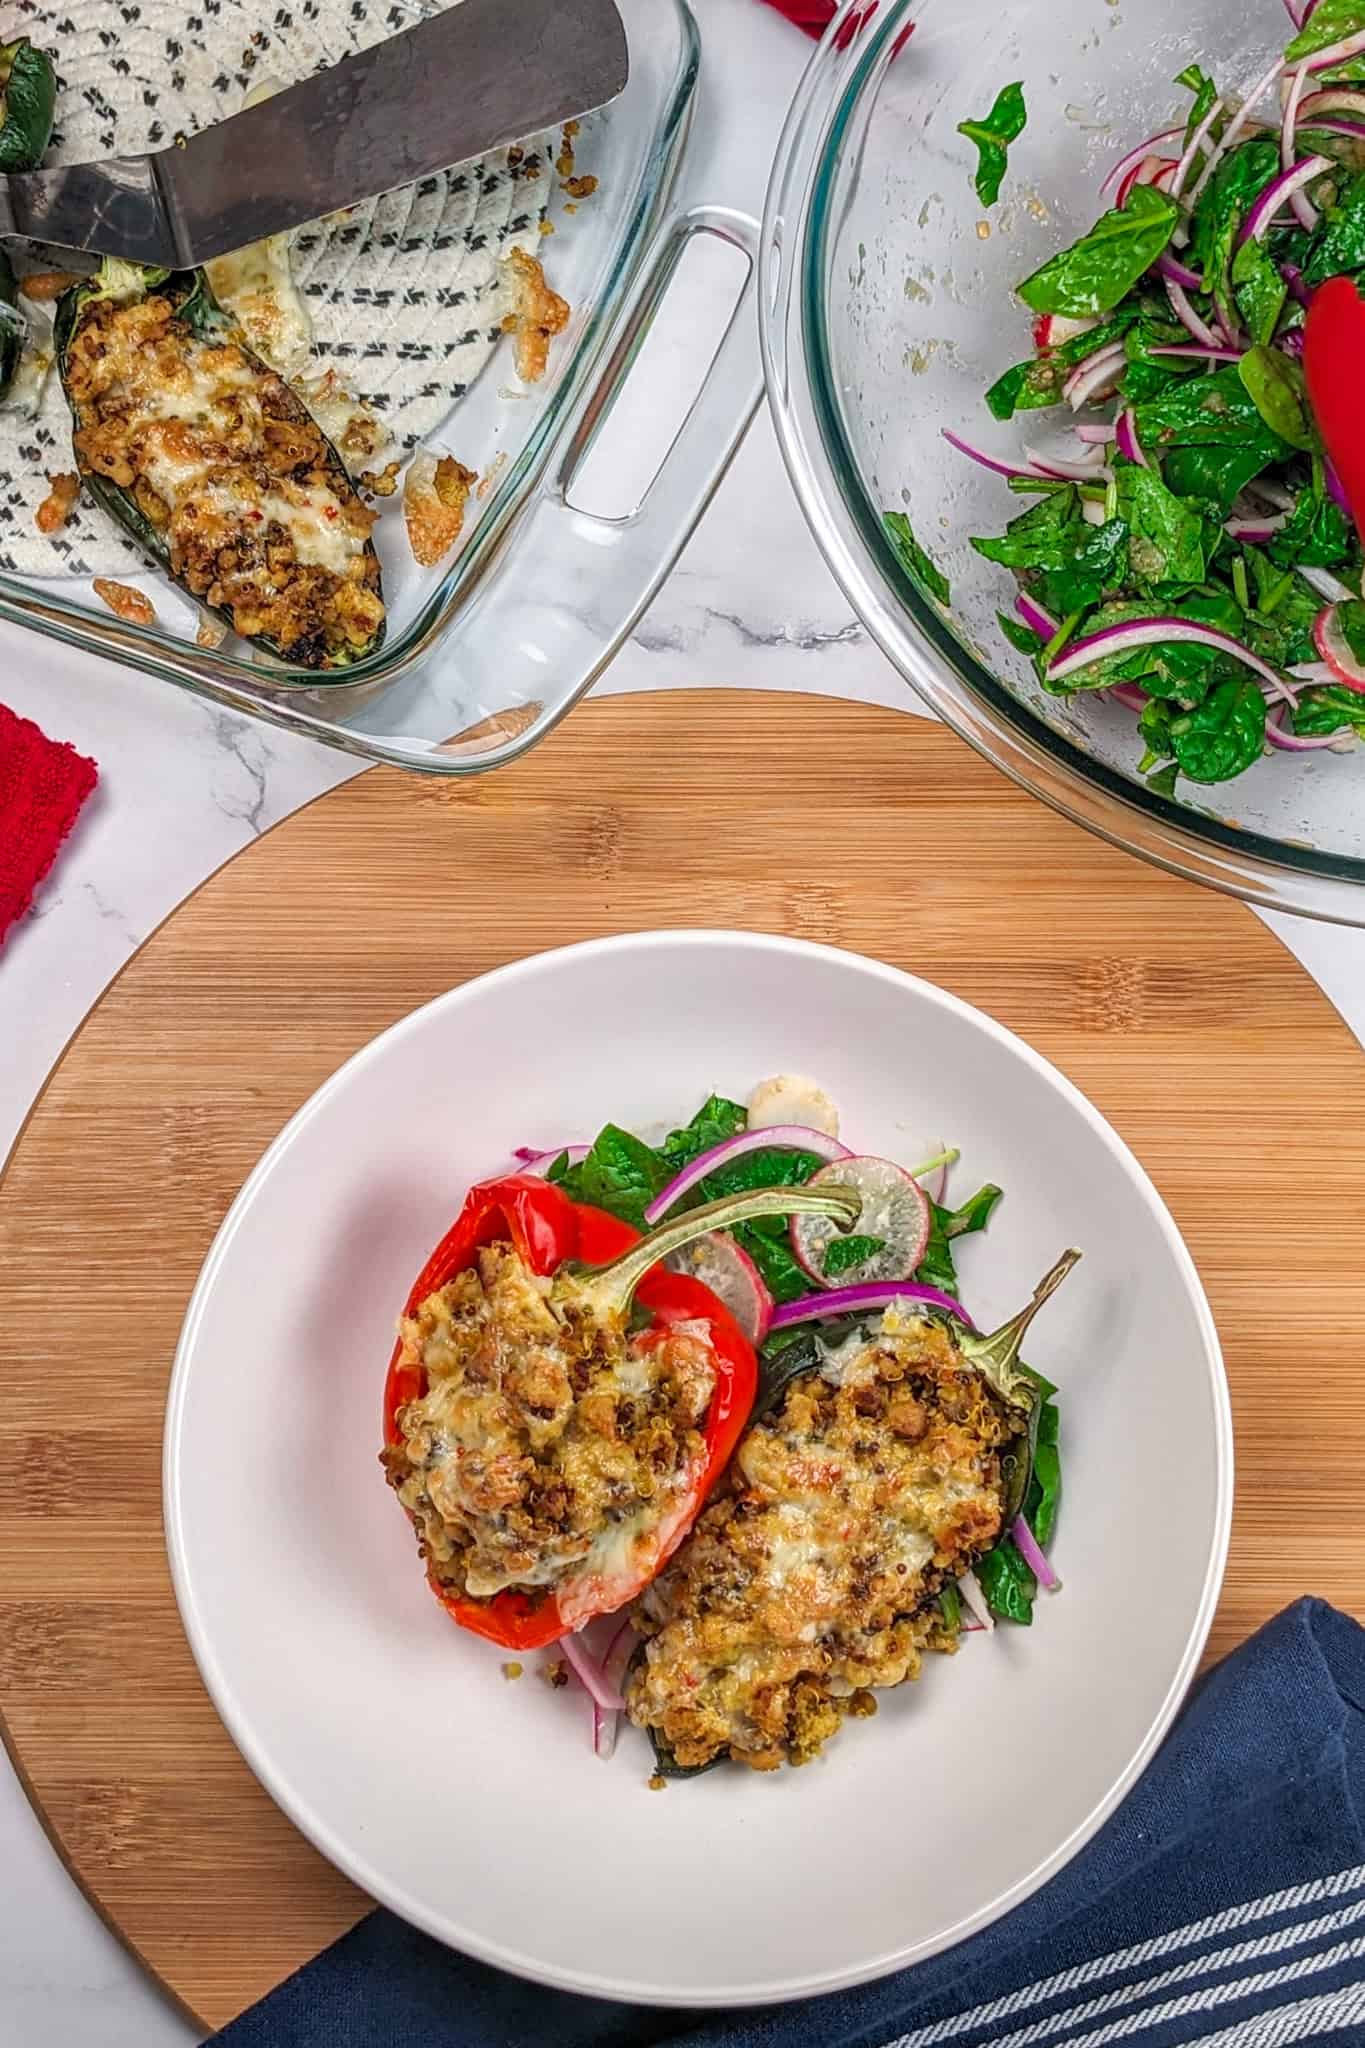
(28, 98)
(216, 468)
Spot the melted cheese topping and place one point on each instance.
(813, 1580)
(548, 1447)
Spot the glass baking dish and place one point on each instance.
(487, 651)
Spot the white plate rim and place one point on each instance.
(686, 1992)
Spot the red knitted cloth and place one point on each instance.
(42, 787)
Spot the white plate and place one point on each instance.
(475, 1807)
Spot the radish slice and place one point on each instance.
(895, 1209)
(975, 1601)
(726, 1268)
(1050, 330)
(779, 1137)
(1335, 650)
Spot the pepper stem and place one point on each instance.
(611, 1287)
(996, 1357)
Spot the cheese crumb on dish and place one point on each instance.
(792, 1099)
(435, 493)
(811, 1581)
(537, 314)
(60, 502)
(125, 602)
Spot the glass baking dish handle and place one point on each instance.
(568, 587)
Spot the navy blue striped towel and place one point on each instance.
(1222, 1907)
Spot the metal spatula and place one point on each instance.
(482, 74)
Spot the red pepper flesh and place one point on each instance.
(546, 1230)
(1334, 365)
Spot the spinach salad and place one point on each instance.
(1191, 551)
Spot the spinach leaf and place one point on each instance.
(1008, 1584)
(1073, 561)
(1045, 1490)
(1205, 93)
(1276, 388)
(1329, 707)
(1221, 207)
(620, 1174)
(1019, 635)
(1259, 290)
(1214, 410)
(765, 1238)
(842, 1254)
(928, 580)
(1316, 533)
(1340, 242)
(992, 135)
(1094, 274)
(713, 1123)
(938, 1268)
(1165, 533)
(1217, 474)
(1330, 22)
(1149, 376)
(1224, 734)
(1164, 781)
(1351, 619)
(1028, 386)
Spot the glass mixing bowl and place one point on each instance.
(888, 308)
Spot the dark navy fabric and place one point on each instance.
(1222, 1905)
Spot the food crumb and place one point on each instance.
(983, 230)
(555, 1673)
(125, 602)
(537, 315)
(60, 502)
(434, 499)
(43, 286)
(580, 188)
(491, 475)
(212, 632)
(564, 161)
(510, 1671)
(862, 1705)
(380, 483)
(657, 1783)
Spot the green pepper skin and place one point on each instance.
(194, 304)
(13, 331)
(28, 100)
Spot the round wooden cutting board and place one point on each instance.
(1176, 1010)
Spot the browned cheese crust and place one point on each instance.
(227, 465)
(812, 1580)
(546, 1441)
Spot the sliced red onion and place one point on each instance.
(1130, 695)
(1291, 343)
(1313, 672)
(1264, 209)
(1188, 318)
(1337, 53)
(1289, 742)
(779, 1137)
(604, 1727)
(1029, 1548)
(1293, 13)
(1257, 531)
(1125, 435)
(1095, 432)
(591, 1675)
(1178, 273)
(1084, 469)
(1325, 583)
(986, 461)
(1239, 121)
(1153, 170)
(1036, 617)
(1094, 374)
(1192, 149)
(617, 1656)
(1274, 494)
(874, 1294)
(1331, 99)
(1135, 156)
(1210, 352)
(541, 1162)
(1336, 490)
(975, 1601)
(1305, 213)
(1137, 633)
(1293, 277)
(1331, 124)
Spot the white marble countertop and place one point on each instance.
(183, 786)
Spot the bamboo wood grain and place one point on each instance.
(1175, 1010)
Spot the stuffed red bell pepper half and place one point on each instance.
(559, 1405)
